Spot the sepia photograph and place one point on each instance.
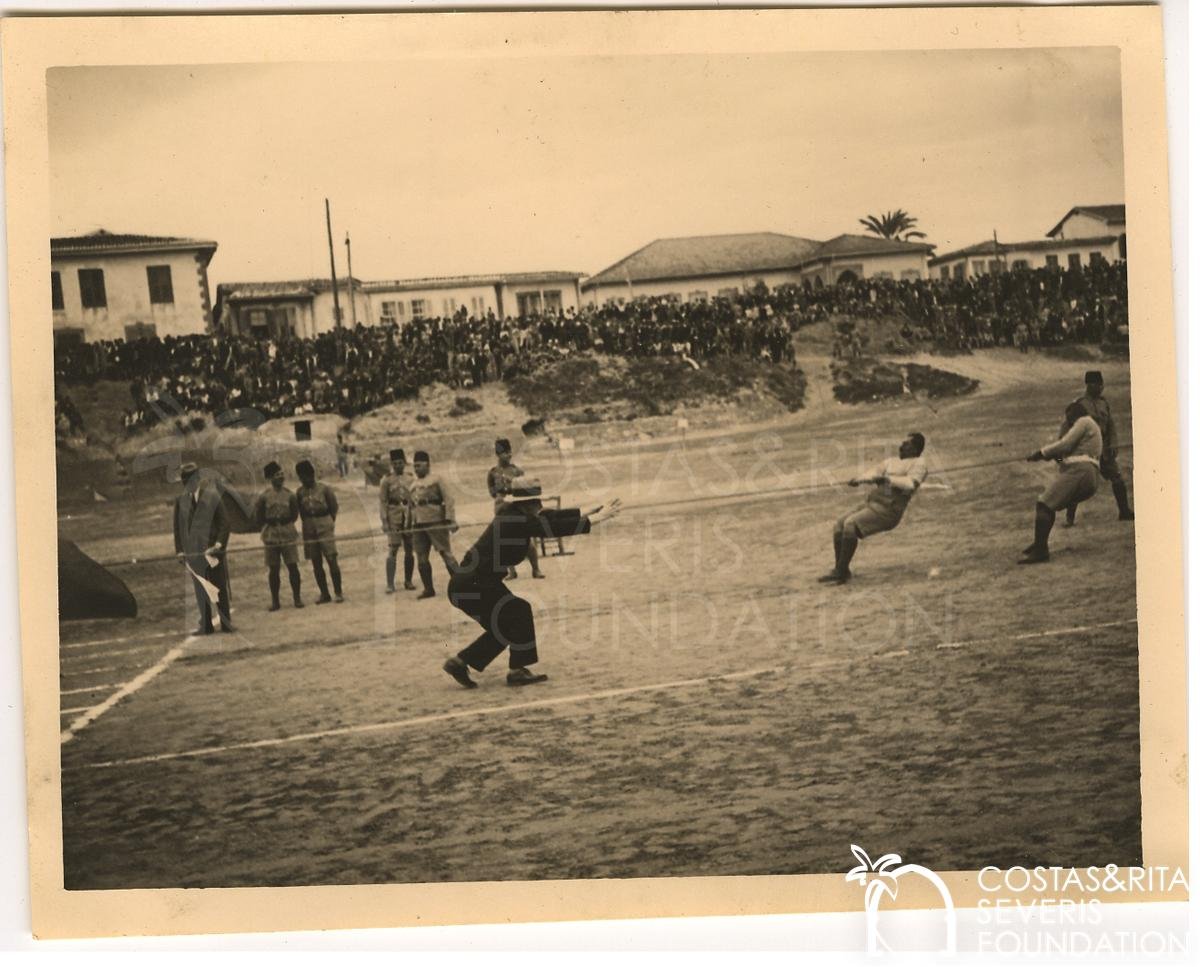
(612, 466)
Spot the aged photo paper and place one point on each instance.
(565, 465)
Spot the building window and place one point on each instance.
(910, 274)
(1020, 264)
(56, 297)
(387, 312)
(68, 336)
(978, 267)
(1074, 261)
(159, 277)
(1095, 258)
(552, 300)
(996, 266)
(960, 270)
(91, 289)
(529, 303)
(883, 274)
(1052, 261)
(449, 306)
(945, 272)
(258, 320)
(731, 293)
(698, 295)
(140, 330)
(418, 308)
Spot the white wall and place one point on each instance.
(127, 292)
(322, 319)
(978, 264)
(567, 290)
(1083, 225)
(438, 302)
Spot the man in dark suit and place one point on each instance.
(201, 540)
(477, 584)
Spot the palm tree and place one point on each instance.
(898, 224)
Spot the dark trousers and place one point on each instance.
(507, 622)
(219, 576)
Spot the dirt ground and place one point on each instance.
(711, 709)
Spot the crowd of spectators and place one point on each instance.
(351, 371)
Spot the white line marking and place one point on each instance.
(90, 688)
(67, 711)
(131, 686)
(94, 671)
(113, 641)
(549, 702)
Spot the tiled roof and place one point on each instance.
(1110, 214)
(468, 281)
(844, 245)
(990, 247)
(104, 241)
(292, 289)
(682, 258)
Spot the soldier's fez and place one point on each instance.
(305, 469)
(503, 446)
(271, 469)
(1093, 376)
(397, 455)
(420, 457)
(526, 490)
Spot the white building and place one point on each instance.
(706, 266)
(1086, 234)
(501, 295)
(108, 286)
(302, 307)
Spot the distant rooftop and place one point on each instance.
(470, 281)
(1109, 214)
(991, 247)
(103, 242)
(737, 254)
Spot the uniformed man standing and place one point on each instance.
(201, 539)
(1078, 454)
(895, 481)
(275, 513)
(1096, 406)
(500, 483)
(318, 516)
(394, 517)
(431, 512)
(477, 583)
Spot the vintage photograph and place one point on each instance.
(592, 467)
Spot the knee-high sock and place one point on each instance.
(533, 556)
(335, 573)
(1122, 495)
(408, 565)
(273, 583)
(1042, 525)
(426, 570)
(390, 569)
(1071, 510)
(837, 545)
(846, 552)
(294, 580)
(319, 574)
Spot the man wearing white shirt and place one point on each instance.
(1078, 454)
(895, 481)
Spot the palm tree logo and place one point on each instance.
(881, 877)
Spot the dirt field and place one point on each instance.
(710, 710)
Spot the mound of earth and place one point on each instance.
(867, 380)
(590, 388)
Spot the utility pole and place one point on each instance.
(337, 311)
(350, 270)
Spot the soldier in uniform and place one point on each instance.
(201, 537)
(1078, 453)
(275, 513)
(318, 516)
(431, 513)
(393, 516)
(895, 481)
(477, 583)
(1096, 406)
(500, 482)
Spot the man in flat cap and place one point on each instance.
(318, 516)
(201, 539)
(275, 514)
(393, 517)
(477, 583)
(1096, 406)
(500, 483)
(431, 511)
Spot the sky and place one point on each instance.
(459, 166)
